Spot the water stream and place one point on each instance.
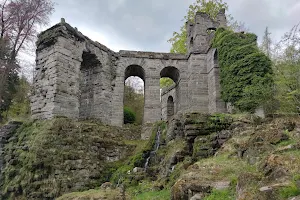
(156, 147)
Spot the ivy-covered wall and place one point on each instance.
(246, 73)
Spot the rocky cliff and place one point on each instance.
(193, 156)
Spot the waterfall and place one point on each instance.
(156, 147)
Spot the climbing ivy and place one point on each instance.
(246, 73)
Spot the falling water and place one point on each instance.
(156, 147)
(173, 167)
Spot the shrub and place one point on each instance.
(129, 116)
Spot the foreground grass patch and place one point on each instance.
(157, 195)
(226, 194)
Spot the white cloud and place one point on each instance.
(114, 5)
(110, 40)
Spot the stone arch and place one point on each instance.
(135, 70)
(172, 73)
(170, 107)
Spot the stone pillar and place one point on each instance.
(57, 80)
(152, 109)
(216, 105)
(197, 83)
(182, 103)
(117, 118)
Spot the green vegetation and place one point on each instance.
(157, 195)
(225, 194)
(92, 194)
(121, 175)
(290, 191)
(166, 82)
(129, 116)
(287, 71)
(246, 73)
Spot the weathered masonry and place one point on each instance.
(80, 78)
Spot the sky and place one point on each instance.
(146, 25)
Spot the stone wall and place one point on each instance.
(215, 103)
(79, 78)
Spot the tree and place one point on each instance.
(211, 7)
(19, 22)
(166, 82)
(287, 71)
(266, 43)
(20, 106)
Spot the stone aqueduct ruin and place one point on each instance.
(79, 78)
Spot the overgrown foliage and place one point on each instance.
(246, 73)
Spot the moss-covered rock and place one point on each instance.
(45, 159)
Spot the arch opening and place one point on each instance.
(172, 73)
(170, 107)
(135, 70)
(134, 101)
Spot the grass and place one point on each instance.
(223, 167)
(157, 195)
(91, 194)
(290, 191)
(226, 194)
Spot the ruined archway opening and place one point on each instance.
(134, 100)
(170, 92)
(169, 76)
(170, 107)
(90, 68)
